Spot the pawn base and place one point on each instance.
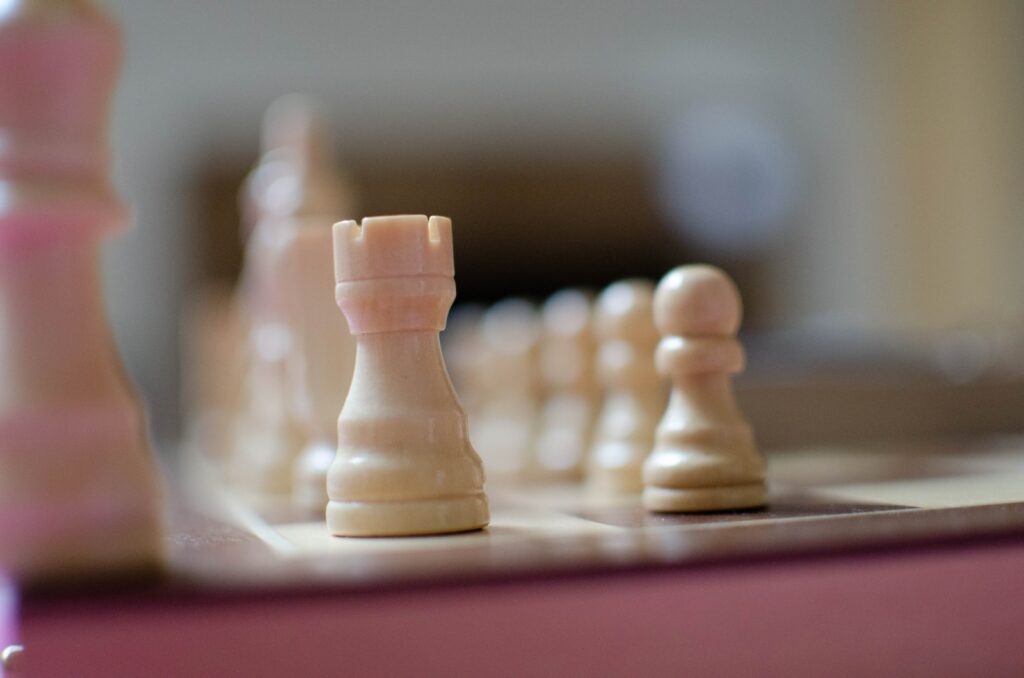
(407, 518)
(705, 499)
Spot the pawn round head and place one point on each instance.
(697, 300)
(567, 313)
(624, 311)
(511, 327)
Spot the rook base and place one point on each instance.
(407, 518)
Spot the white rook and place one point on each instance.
(405, 464)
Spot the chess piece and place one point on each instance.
(506, 428)
(704, 458)
(404, 465)
(567, 370)
(323, 358)
(634, 396)
(301, 353)
(295, 173)
(213, 374)
(79, 490)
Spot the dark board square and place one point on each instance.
(784, 507)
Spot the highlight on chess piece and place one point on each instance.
(704, 456)
(79, 488)
(634, 395)
(404, 465)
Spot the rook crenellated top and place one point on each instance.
(393, 247)
(394, 273)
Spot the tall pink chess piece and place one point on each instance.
(78, 485)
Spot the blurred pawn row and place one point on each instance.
(563, 392)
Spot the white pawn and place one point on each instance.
(505, 431)
(405, 464)
(704, 457)
(567, 370)
(634, 396)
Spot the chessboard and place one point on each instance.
(822, 500)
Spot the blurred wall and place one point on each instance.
(597, 80)
(952, 92)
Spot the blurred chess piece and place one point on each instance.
(300, 352)
(506, 423)
(296, 171)
(704, 458)
(572, 394)
(634, 395)
(213, 329)
(79, 488)
(323, 359)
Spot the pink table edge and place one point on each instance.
(951, 610)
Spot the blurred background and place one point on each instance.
(857, 167)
